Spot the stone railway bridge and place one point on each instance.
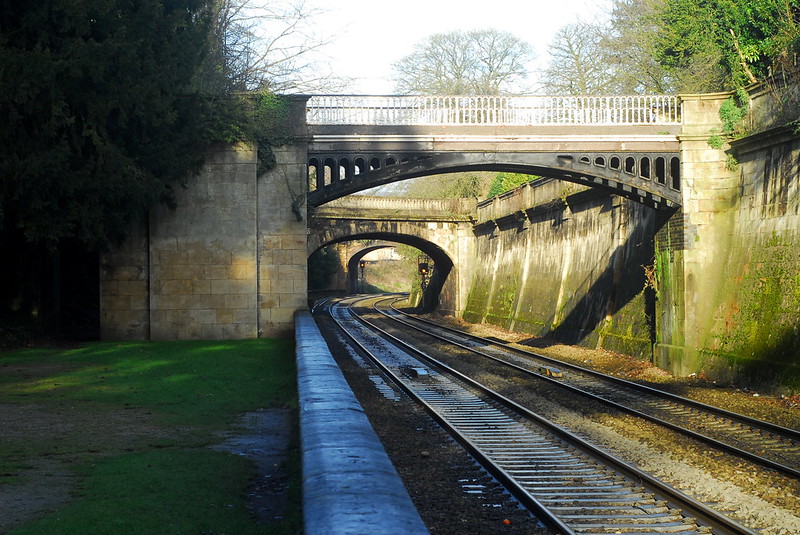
(350, 254)
(231, 261)
(440, 228)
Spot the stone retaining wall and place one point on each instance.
(754, 332)
(567, 265)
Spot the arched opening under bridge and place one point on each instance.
(650, 179)
(440, 259)
(355, 278)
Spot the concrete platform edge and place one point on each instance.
(345, 490)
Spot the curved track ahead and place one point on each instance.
(569, 484)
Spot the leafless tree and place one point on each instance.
(265, 46)
(577, 65)
(622, 56)
(479, 62)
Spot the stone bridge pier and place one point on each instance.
(228, 262)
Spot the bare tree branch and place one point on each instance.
(265, 47)
(458, 63)
(578, 65)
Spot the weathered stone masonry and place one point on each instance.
(566, 261)
(441, 228)
(725, 300)
(229, 262)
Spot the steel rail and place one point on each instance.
(735, 417)
(529, 502)
(755, 422)
(698, 510)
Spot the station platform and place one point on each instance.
(349, 484)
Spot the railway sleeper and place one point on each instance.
(540, 466)
(610, 479)
(515, 457)
(606, 510)
(634, 503)
(672, 527)
(664, 514)
(679, 527)
(659, 521)
(577, 472)
(527, 452)
(513, 463)
(564, 489)
(547, 479)
(565, 492)
(534, 450)
(469, 417)
(607, 507)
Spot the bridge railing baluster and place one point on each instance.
(498, 110)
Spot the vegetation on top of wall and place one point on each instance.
(477, 185)
(732, 113)
(504, 182)
(465, 185)
(269, 128)
(258, 117)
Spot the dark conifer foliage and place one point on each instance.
(98, 119)
(99, 122)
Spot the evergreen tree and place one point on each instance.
(748, 38)
(99, 122)
(691, 46)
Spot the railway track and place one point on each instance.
(760, 442)
(566, 482)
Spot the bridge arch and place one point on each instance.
(440, 228)
(441, 259)
(652, 179)
(626, 144)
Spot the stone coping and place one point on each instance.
(349, 484)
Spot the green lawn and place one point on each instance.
(131, 423)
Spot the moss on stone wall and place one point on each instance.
(583, 283)
(477, 299)
(668, 288)
(754, 337)
(501, 307)
(757, 331)
(626, 333)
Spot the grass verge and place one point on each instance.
(129, 422)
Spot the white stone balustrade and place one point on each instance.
(529, 110)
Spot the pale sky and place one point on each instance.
(371, 35)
